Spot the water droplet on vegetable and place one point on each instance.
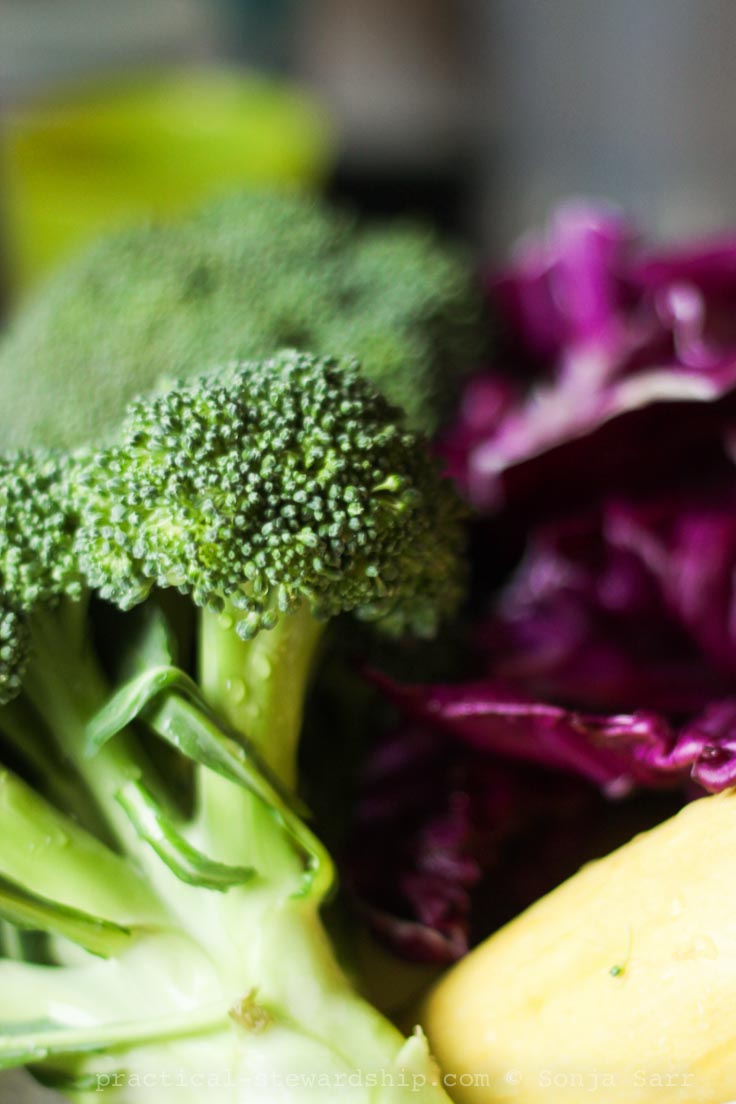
(236, 690)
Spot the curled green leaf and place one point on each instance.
(28, 910)
(173, 707)
(188, 864)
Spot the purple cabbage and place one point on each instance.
(413, 860)
(617, 354)
(437, 825)
(601, 439)
(616, 751)
(610, 661)
(630, 612)
(624, 609)
(629, 607)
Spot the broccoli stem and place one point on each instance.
(250, 1065)
(26, 736)
(29, 989)
(66, 687)
(274, 1002)
(264, 1000)
(47, 852)
(258, 686)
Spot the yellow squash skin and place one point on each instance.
(618, 986)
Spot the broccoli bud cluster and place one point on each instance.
(38, 562)
(13, 652)
(274, 483)
(247, 275)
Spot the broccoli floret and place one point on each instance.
(275, 496)
(38, 563)
(279, 495)
(13, 651)
(52, 676)
(290, 481)
(246, 276)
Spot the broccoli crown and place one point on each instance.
(287, 481)
(38, 563)
(13, 651)
(244, 277)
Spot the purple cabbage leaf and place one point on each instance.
(625, 353)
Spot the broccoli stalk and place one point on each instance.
(184, 957)
(259, 685)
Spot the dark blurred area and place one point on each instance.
(476, 114)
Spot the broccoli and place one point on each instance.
(245, 276)
(181, 948)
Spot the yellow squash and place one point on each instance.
(618, 986)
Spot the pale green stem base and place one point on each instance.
(258, 687)
(67, 688)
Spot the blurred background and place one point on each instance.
(478, 114)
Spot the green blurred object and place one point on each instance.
(241, 277)
(114, 153)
